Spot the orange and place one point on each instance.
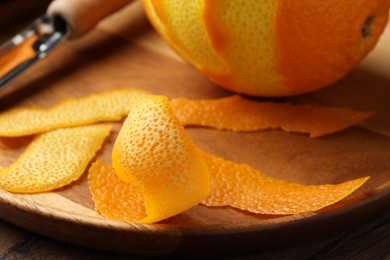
(271, 47)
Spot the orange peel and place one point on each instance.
(243, 187)
(240, 115)
(154, 154)
(114, 198)
(158, 172)
(110, 105)
(54, 159)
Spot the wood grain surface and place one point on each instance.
(368, 241)
(125, 51)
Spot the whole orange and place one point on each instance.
(271, 47)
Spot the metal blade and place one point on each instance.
(29, 46)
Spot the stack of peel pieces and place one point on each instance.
(67, 138)
(157, 170)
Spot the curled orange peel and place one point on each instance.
(54, 159)
(240, 115)
(158, 172)
(110, 105)
(154, 155)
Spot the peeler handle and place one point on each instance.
(82, 15)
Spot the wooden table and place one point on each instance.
(370, 240)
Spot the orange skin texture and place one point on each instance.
(335, 39)
(110, 105)
(271, 48)
(243, 187)
(157, 171)
(240, 115)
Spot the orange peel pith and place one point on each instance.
(111, 105)
(154, 154)
(243, 187)
(240, 115)
(54, 159)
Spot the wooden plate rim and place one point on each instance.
(100, 222)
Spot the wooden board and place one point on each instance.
(125, 51)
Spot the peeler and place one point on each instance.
(65, 19)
